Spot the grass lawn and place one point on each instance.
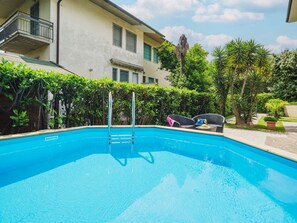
(261, 126)
(288, 119)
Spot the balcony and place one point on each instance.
(22, 33)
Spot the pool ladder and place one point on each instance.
(120, 138)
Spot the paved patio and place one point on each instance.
(282, 141)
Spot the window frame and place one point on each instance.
(149, 80)
(116, 74)
(135, 43)
(121, 70)
(134, 73)
(113, 35)
(155, 56)
(150, 52)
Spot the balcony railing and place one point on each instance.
(25, 25)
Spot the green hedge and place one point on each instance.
(85, 100)
(262, 99)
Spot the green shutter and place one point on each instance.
(156, 59)
(147, 52)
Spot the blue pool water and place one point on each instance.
(167, 176)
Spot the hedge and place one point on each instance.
(85, 101)
(262, 99)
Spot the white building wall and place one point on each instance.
(86, 41)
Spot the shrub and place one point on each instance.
(270, 119)
(85, 101)
(262, 99)
(275, 107)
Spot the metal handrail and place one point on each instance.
(133, 115)
(109, 113)
(109, 121)
(22, 22)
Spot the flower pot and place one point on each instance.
(271, 125)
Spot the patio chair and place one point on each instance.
(212, 120)
(180, 121)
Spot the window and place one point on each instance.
(114, 74)
(156, 59)
(130, 41)
(135, 78)
(157, 81)
(147, 52)
(117, 35)
(151, 80)
(124, 76)
(143, 79)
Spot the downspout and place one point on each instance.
(58, 32)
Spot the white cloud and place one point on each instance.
(274, 48)
(259, 3)
(286, 41)
(144, 9)
(213, 13)
(282, 43)
(208, 41)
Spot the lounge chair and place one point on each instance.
(180, 121)
(212, 120)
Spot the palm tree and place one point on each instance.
(247, 61)
(221, 77)
(250, 51)
(236, 60)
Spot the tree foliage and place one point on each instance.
(221, 77)
(195, 72)
(284, 75)
(245, 64)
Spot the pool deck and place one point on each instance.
(282, 144)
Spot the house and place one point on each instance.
(292, 11)
(93, 38)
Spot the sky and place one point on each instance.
(213, 23)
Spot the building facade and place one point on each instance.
(93, 38)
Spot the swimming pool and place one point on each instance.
(166, 176)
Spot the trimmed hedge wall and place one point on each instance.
(85, 101)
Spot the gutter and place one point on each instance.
(58, 32)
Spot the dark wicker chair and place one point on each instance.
(180, 121)
(212, 120)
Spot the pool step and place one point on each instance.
(120, 139)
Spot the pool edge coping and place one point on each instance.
(269, 149)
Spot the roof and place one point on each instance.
(129, 18)
(292, 11)
(34, 63)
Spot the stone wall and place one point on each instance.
(291, 110)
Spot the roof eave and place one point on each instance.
(136, 22)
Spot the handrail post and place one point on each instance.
(133, 116)
(109, 114)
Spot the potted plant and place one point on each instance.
(271, 121)
(275, 107)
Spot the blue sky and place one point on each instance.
(215, 22)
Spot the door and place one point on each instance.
(34, 14)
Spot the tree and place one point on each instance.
(221, 77)
(248, 64)
(284, 75)
(195, 71)
(195, 75)
(181, 51)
